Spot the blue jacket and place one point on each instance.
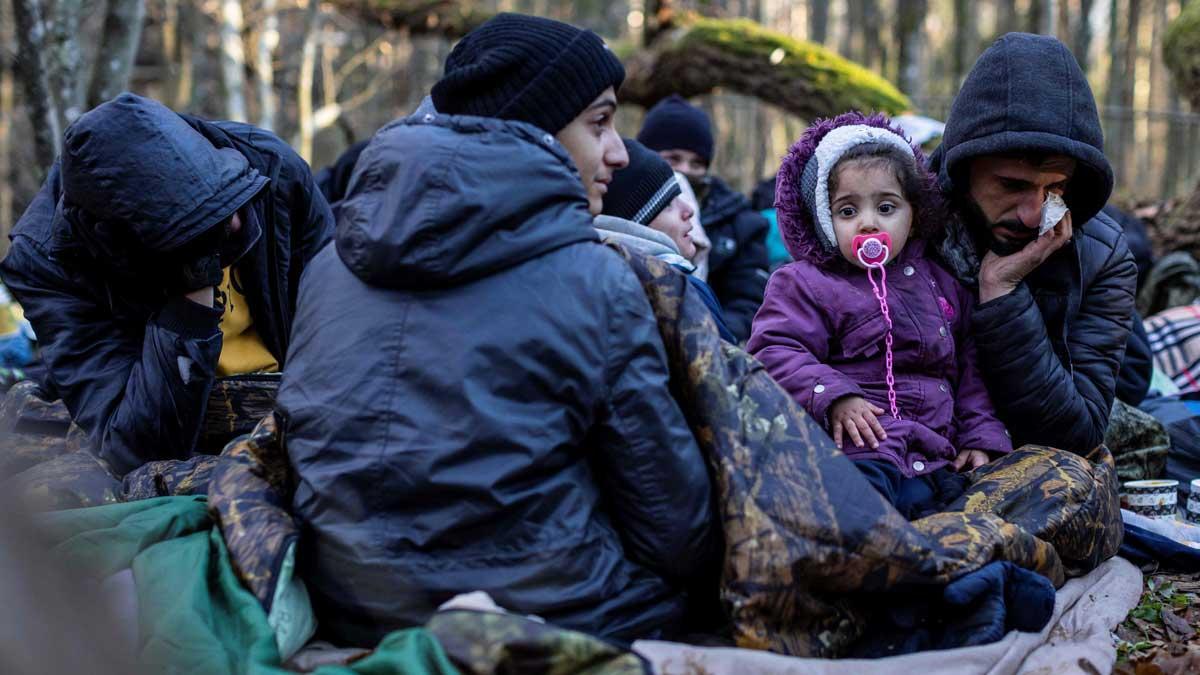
(737, 263)
(1050, 350)
(133, 365)
(477, 399)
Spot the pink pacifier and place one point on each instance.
(872, 249)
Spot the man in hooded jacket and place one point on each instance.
(477, 396)
(1055, 310)
(162, 251)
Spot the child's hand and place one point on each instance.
(969, 460)
(855, 416)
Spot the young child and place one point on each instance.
(874, 345)
(645, 209)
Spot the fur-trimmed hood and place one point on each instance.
(797, 222)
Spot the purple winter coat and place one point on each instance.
(820, 334)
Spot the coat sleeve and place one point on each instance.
(976, 426)
(655, 479)
(791, 338)
(740, 285)
(139, 394)
(310, 215)
(1044, 400)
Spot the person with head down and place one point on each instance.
(163, 251)
(1022, 164)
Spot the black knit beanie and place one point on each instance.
(526, 68)
(641, 190)
(675, 124)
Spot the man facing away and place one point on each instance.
(477, 395)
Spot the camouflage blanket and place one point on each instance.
(806, 535)
(44, 457)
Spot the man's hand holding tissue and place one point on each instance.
(999, 275)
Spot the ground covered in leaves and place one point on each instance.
(1162, 634)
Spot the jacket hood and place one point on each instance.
(439, 200)
(1027, 93)
(797, 223)
(135, 171)
(641, 238)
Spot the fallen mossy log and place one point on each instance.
(450, 18)
(740, 55)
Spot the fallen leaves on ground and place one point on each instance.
(1161, 636)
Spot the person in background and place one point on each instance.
(737, 264)
(646, 210)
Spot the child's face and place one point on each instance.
(675, 221)
(868, 200)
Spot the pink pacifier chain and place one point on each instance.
(873, 251)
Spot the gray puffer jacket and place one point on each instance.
(477, 399)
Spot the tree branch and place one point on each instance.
(451, 18)
(804, 79)
(118, 47)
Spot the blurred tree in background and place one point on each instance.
(325, 73)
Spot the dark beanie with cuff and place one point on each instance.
(526, 68)
(675, 124)
(641, 190)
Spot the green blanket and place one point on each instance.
(193, 614)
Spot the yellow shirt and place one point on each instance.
(241, 350)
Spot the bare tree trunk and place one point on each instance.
(1033, 18)
(1128, 80)
(189, 46)
(304, 93)
(118, 47)
(910, 38)
(7, 107)
(1154, 151)
(818, 20)
(268, 40)
(35, 81)
(1048, 17)
(966, 38)
(170, 46)
(1006, 16)
(1083, 35)
(874, 57)
(233, 60)
(64, 60)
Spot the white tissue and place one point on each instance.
(1053, 210)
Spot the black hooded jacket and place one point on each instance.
(132, 362)
(1050, 350)
(737, 263)
(477, 398)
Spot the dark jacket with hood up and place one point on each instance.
(477, 398)
(1050, 350)
(737, 263)
(133, 364)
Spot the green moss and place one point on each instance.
(852, 85)
(1181, 51)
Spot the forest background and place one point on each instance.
(324, 74)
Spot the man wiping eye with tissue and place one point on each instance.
(1022, 164)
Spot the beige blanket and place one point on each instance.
(1078, 639)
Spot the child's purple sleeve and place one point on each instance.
(790, 336)
(976, 426)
